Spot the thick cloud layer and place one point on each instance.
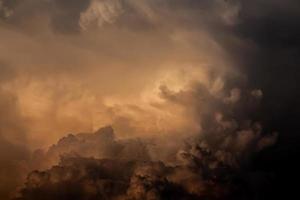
(154, 70)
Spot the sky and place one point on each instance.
(169, 78)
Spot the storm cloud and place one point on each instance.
(170, 76)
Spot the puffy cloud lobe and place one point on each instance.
(101, 144)
(225, 120)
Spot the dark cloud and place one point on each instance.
(249, 44)
(79, 178)
(87, 178)
(229, 124)
(101, 144)
(211, 165)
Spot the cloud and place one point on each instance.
(84, 177)
(202, 175)
(155, 70)
(100, 12)
(101, 144)
(207, 164)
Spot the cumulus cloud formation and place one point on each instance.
(208, 164)
(179, 82)
(101, 144)
(201, 172)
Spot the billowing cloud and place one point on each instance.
(200, 172)
(101, 144)
(203, 164)
(170, 76)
